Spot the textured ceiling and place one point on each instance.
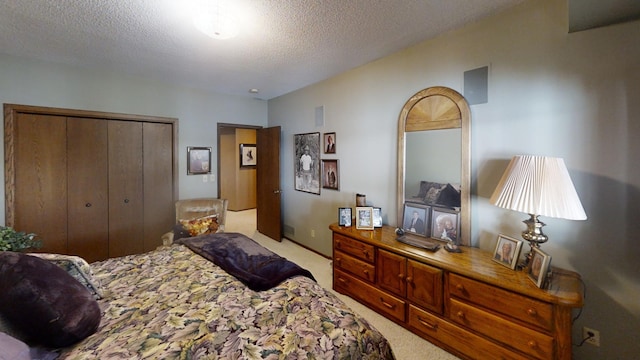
(283, 45)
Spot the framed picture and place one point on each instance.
(248, 155)
(507, 251)
(306, 163)
(198, 160)
(539, 266)
(364, 218)
(377, 217)
(415, 219)
(329, 143)
(330, 175)
(344, 216)
(445, 224)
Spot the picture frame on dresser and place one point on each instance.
(344, 216)
(538, 267)
(364, 218)
(377, 217)
(507, 251)
(445, 224)
(415, 219)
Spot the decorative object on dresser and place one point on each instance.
(415, 219)
(538, 185)
(364, 218)
(344, 216)
(466, 302)
(539, 268)
(377, 217)
(507, 251)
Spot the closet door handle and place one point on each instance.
(87, 205)
(126, 201)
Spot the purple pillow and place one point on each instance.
(44, 302)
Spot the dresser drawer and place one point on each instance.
(354, 247)
(354, 266)
(511, 334)
(390, 305)
(452, 336)
(528, 310)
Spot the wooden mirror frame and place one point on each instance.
(437, 108)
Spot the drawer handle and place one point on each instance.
(366, 253)
(532, 344)
(460, 314)
(366, 271)
(387, 304)
(409, 279)
(427, 325)
(339, 261)
(338, 243)
(460, 287)
(401, 276)
(343, 280)
(532, 312)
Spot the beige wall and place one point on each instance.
(575, 96)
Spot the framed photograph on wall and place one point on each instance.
(445, 224)
(198, 160)
(306, 162)
(538, 267)
(330, 174)
(344, 216)
(329, 143)
(377, 217)
(507, 251)
(248, 155)
(415, 219)
(364, 218)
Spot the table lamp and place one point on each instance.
(538, 186)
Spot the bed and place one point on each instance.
(173, 303)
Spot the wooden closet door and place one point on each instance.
(88, 197)
(41, 179)
(126, 228)
(159, 216)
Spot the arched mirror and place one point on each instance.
(434, 165)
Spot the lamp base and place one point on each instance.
(534, 236)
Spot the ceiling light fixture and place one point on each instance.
(216, 19)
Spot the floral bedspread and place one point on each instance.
(174, 304)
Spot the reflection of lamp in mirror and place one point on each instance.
(538, 185)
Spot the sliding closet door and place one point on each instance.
(159, 216)
(88, 200)
(126, 205)
(41, 179)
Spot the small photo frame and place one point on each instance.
(538, 267)
(198, 160)
(330, 174)
(248, 155)
(445, 224)
(415, 219)
(377, 217)
(344, 216)
(364, 218)
(507, 251)
(329, 143)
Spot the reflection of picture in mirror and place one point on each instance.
(446, 225)
(415, 219)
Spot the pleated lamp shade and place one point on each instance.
(538, 185)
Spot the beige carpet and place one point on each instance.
(406, 345)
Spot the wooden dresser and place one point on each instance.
(464, 302)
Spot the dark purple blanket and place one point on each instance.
(257, 267)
